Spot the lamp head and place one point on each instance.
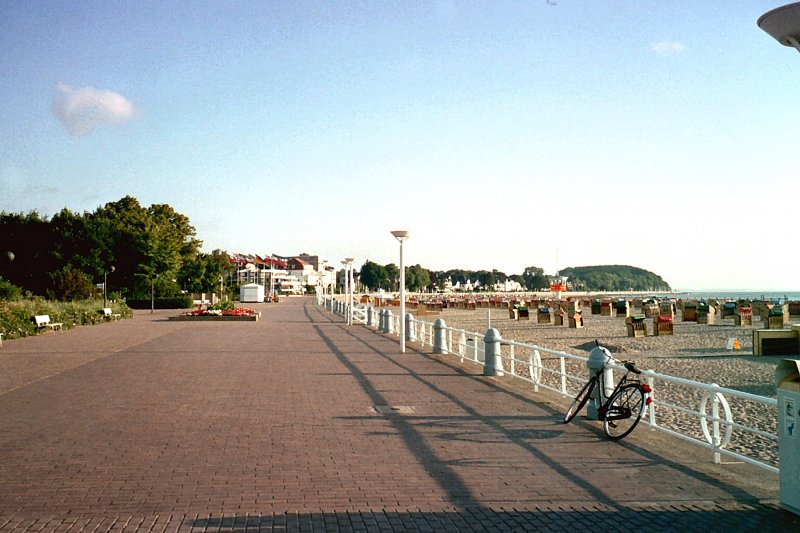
(783, 24)
(401, 235)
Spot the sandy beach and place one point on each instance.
(696, 352)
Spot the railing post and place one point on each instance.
(411, 328)
(389, 321)
(651, 411)
(493, 363)
(599, 357)
(439, 337)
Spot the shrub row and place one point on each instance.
(16, 316)
(178, 302)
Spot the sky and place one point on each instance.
(503, 135)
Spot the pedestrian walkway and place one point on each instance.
(299, 422)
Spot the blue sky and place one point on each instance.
(501, 134)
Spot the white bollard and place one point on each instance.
(493, 363)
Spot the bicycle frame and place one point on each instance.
(604, 401)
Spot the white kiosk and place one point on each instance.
(251, 292)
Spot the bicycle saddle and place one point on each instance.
(630, 365)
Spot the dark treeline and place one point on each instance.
(614, 278)
(589, 278)
(418, 279)
(136, 249)
(142, 249)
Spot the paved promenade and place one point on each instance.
(298, 422)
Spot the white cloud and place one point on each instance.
(668, 48)
(82, 110)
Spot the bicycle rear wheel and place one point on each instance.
(624, 411)
(580, 400)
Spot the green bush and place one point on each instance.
(9, 291)
(179, 302)
(16, 316)
(71, 284)
(223, 306)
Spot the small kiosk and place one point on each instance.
(251, 293)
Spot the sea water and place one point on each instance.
(769, 296)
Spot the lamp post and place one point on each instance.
(401, 236)
(105, 280)
(348, 299)
(783, 24)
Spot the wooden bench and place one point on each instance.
(663, 325)
(110, 315)
(636, 326)
(43, 321)
(543, 316)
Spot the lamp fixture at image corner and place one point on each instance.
(783, 24)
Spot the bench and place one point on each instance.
(690, 312)
(110, 315)
(543, 316)
(636, 326)
(744, 316)
(663, 325)
(43, 321)
(706, 314)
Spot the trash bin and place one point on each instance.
(787, 381)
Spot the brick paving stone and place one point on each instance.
(149, 425)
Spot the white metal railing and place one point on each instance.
(728, 422)
(359, 314)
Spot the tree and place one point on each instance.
(31, 239)
(534, 278)
(615, 278)
(392, 276)
(417, 278)
(372, 275)
(71, 284)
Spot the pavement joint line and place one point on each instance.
(70, 369)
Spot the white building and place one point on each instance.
(280, 276)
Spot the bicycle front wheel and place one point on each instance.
(624, 411)
(580, 400)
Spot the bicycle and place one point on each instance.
(624, 407)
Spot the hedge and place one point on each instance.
(178, 302)
(16, 316)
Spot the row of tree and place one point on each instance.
(136, 249)
(418, 279)
(142, 249)
(590, 278)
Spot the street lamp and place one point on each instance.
(401, 236)
(783, 24)
(105, 280)
(348, 288)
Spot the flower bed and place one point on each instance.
(235, 314)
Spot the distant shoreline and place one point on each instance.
(732, 295)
